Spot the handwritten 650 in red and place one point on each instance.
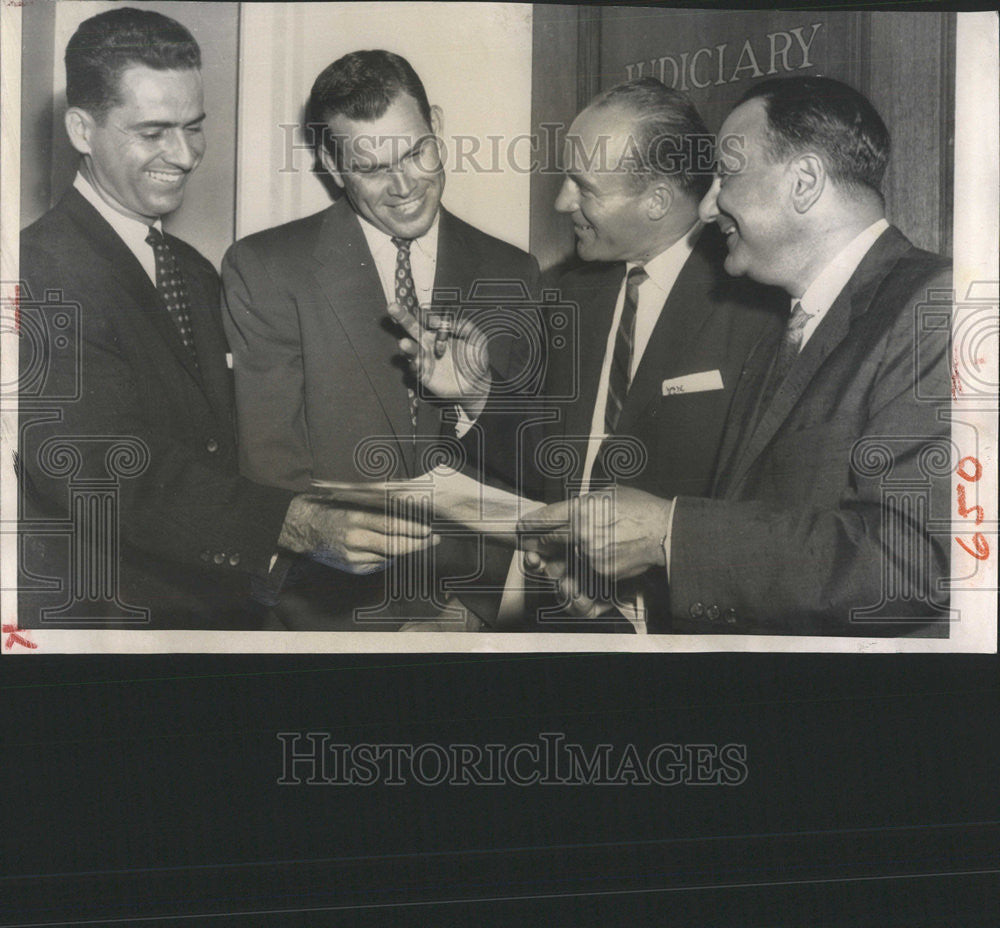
(971, 470)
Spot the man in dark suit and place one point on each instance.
(321, 390)
(663, 330)
(835, 464)
(131, 496)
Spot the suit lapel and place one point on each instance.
(854, 300)
(125, 268)
(353, 293)
(210, 341)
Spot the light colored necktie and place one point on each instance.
(791, 344)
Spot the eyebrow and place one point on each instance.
(161, 124)
(369, 166)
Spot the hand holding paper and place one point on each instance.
(619, 532)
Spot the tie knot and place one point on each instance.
(636, 277)
(402, 244)
(155, 237)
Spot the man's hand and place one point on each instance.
(577, 601)
(618, 532)
(453, 364)
(352, 540)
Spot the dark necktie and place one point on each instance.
(787, 353)
(619, 376)
(172, 288)
(406, 296)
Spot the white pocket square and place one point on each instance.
(701, 382)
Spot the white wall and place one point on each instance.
(474, 60)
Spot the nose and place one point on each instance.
(567, 200)
(184, 149)
(401, 183)
(708, 209)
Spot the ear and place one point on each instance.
(659, 199)
(437, 120)
(330, 164)
(809, 179)
(79, 126)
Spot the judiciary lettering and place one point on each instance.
(713, 65)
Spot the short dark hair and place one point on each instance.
(107, 44)
(362, 86)
(832, 117)
(666, 128)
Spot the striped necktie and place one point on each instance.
(620, 376)
(172, 288)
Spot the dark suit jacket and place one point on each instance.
(710, 322)
(191, 528)
(321, 392)
(800, 536)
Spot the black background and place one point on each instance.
(142, 790)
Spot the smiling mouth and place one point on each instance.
(582, 228)
(409, 206)
(728, 229)
(167, 177)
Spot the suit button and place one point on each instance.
(219, 557)
(212, 446)
(206, 555)
(712, 612)
(730, 616)
(697, 610)
(234, 559)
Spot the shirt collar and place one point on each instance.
(379, 240)
(821, 293)
(127, 227)
(664, 267)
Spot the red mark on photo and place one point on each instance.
(956, 381)
(17, 308)
(15, 636)
(970, 470)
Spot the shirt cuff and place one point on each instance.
(668, 537)
(462, 422)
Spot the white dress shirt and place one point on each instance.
(131, 231)
(826, 287)
(423, 260)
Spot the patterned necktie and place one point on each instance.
(406, 296)
(172, 289)
(789, 351)
(621, 360)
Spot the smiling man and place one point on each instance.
(830, 505)
(316, 358)
(664, 330)
(147, 389)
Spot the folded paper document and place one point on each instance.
(442, 494)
